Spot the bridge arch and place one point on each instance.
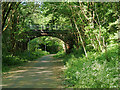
(65, 35)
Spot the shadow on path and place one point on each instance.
(42, 73)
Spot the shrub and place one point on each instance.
(94, 71)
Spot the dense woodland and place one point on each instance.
(92, 61)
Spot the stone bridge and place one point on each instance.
(57, 31)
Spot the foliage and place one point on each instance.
(93, 27)
(60, 54)
(94, 71)
(91, 24)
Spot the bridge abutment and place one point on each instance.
(69, 47)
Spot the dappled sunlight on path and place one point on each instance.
(42, 73)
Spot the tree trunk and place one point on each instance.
(79, 33)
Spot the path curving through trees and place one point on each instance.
(41, 73)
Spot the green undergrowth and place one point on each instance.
(60, 54)
(95, 71)
(10, 61)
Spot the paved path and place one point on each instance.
(42, 73)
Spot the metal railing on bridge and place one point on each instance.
(50, 27)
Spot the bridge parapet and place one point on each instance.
(50, 27)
